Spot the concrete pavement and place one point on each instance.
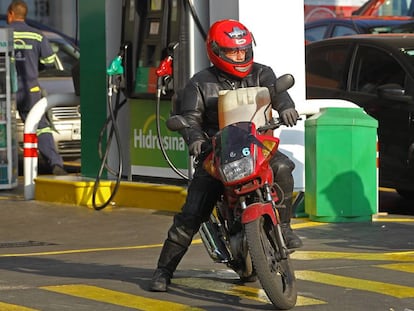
(58, 256)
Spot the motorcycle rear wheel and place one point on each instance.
(275, 275)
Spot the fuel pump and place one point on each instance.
(140, 71)
(158, 60)
(150, 28)
(164, 73)
(156, 34)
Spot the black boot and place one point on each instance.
(173, 250)
(160, 280)
(291, 239)
(170, 256)
(285, 213)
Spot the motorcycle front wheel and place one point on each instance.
(276, 275)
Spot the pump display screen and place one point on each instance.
(151, 31)
(156, 5)
(154, 28)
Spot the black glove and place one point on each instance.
(289, 116)
(196, 147)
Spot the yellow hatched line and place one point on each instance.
(244, 292)
(396, 256)
(10, 307)
(118, 298)
(393, 290)
(404, 267)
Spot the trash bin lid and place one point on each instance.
(342, 116)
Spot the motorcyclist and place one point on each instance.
(229, 47)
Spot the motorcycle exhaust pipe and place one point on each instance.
(215, 246)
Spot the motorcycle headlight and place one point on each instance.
(238, 169)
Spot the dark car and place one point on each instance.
(404, 28)
(345, 26)
(375, 72)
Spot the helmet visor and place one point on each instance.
(237, 55)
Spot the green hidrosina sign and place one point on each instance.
(145, 152)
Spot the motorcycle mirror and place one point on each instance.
(176, 123)
(284, 82)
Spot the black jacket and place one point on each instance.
(198, 100)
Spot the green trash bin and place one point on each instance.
(341, 165)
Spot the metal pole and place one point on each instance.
(30, 154)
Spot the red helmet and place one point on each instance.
(227, 35)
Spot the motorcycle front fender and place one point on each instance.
(256, 210)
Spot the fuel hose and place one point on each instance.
(113, 133)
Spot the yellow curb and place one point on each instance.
(76, 190)
(152, 196)
(70, 190)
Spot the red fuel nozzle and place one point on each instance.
(165, 67)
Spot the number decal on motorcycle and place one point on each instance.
(246, 151)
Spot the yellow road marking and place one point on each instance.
(299, 225)
(224, 288)
(376, 219)
(404, 267)
(393, 290)
(9, 307)
(244, 292)
(312, 255)
(88, 250)
(119, 298)
(307, 224)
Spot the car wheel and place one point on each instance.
(406, 194)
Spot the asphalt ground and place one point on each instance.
(65, 257)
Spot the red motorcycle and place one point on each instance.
(244, 230)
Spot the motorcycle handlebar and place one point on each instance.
(272, 125)
(206, 148)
